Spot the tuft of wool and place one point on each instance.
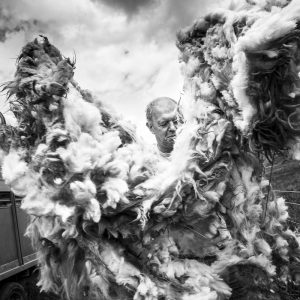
(205, 294)
(15, 172)
(263, 262)
(239, 63)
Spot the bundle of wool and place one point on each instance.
(246, 62)
(243, 63)
(111, 219)
(99, 219)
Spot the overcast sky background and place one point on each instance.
(125, 49)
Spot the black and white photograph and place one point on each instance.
(150, 149)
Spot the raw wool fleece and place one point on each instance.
(246, 62)
(103, 216)
(111, 219)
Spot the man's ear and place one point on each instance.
(150, 126)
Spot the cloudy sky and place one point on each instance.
(125, 49)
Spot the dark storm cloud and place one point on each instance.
(172, 15)
(10, 24)
(130, 7)
(7, 24)
(183, 13)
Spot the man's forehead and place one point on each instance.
(164, 108)
(168, 115)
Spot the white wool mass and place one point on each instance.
(81, 116)
(239, 86)
(271, 27)
(204, 294)
(16, 173)
(115, 189)
(112, 219)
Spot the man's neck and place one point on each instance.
(164, 154)
(163, 148)
(164, 151)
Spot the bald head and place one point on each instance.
(162, 121)
(157, 104)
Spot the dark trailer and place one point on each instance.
(17, 258)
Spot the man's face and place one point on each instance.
(164, 125)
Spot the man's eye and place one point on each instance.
(163, 124)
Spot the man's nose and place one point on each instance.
(172, 126)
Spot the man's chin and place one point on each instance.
(169, 142)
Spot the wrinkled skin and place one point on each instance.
(163, 123)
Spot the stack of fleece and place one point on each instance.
(111, 219)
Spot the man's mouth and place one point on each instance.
(171, 137)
